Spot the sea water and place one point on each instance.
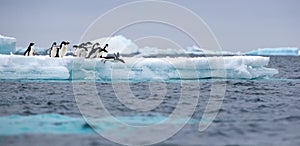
(255, 111)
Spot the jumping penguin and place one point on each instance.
(116, 58)
(100, 54)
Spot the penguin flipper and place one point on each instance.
(26, 52)
(122, 60)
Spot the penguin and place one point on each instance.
(89, 43)
(58, 49)
(97, 52)
(63, 48)
(94, 51)
(103, 52)
(89, 47)
(30, 50)
(76, 51)
(53, 50)
(116, 58)
(80, 50)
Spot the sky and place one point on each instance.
(238, 25)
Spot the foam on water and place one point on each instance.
(141, 69)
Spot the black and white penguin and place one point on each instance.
(63, 48)
(80, 50)
(53, 50)
(30, 50)
(116, 57)
(60, 46)
(89, 47)
(94, 51)
(103, 52)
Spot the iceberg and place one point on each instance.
(275, 52)
(32, 67)
(7, 45)
(135, 68)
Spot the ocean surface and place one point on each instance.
(254, 112)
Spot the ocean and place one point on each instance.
(259, 111)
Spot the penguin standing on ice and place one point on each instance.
(89, 47)
(80, 50)
(57, 52)
(30, 50)
(63, 48)
(53, 50)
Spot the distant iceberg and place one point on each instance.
(275, 52)
(196, 51)
(7, 45)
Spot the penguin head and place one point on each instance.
(31, 44)
(54, 43)
(106, 45)
(62, 44)
(95, 45)
(89, 43)
(82, 44)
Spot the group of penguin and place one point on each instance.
(84, 50)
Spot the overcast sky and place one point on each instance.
(239, 25)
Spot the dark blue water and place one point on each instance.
(254, 112)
